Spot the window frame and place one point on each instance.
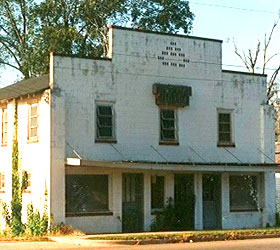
(164, 141)
(27, 188)
(33, 139)
(234, 208)
(4, 123)
(230, 143)
(106, 139)
(162, 192)
(105, 212)
(2, 180)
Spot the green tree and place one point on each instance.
(16, 35)
(29, 29)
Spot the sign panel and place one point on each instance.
(172, 95)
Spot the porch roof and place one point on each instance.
(22, 88)
(176, 166)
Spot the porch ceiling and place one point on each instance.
(176, 166)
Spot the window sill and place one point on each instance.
(169, 143)
(106, 141)
(105, 213)
(33, 140)
(4, 145)
(245, 210)
(2, 191)
(226, 145)
(26, 191)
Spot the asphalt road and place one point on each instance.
(259, 244)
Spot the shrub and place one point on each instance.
(64, 229)
(175, 216)
(277, 219)
(36, 224)
(6, 214)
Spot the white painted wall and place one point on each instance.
(126, 81)
(33, 157)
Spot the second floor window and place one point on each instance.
(4, 137)
(168, 128)
(2, 182)
(33, 121)
(224, 128)
(105, 122)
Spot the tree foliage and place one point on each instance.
(30, 29)
(16, 35)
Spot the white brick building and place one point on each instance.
(112, 139)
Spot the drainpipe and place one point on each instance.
(262, 159)
(263, 179)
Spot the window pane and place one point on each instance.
(33, 111)
(168, 124)
(224, 117)
(243, 192)
(168, 114)
(105, 110)
(105, 132)
(33, 122)
(224, 137)
(157, 191)
(2, 181)
(105, 121)
(224, 127)
(33, 132)
(5, 137)
(168, 134)
(86, 193)
(4, 125)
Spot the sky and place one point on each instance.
(244, 21)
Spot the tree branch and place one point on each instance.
(10, 65)
(10, 51)
(12, 21)
(243, 59)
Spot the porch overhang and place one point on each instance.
(176, 166)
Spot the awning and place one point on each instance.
(176, 166)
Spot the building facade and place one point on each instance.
(113, 139)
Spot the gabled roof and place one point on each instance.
(29, 86)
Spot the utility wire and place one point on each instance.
(154, 58)
(235, 8)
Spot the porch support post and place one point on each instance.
(269, 196)
(225, 200)
(117, 200)
(169, 187)
(198, 211)
(147, 202)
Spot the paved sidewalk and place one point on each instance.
(165, 237)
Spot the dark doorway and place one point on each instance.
(184, 200)
(132, 202)
(211, 201)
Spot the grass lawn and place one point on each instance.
(187, 236)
